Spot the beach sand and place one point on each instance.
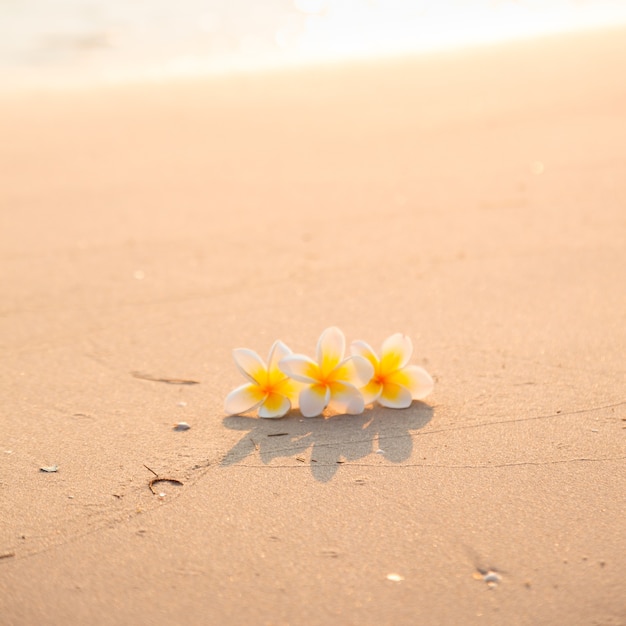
(474, 200)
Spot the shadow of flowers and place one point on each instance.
(332, 441)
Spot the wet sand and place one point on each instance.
(473, 200)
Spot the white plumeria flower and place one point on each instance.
(331, 381)
(268, 388)
(394, 383)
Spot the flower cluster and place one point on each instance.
(343, 383)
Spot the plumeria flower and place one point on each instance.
(332, 380)
(394, 383)
(268, 388)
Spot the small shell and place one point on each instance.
(396, 578)
(492, 577)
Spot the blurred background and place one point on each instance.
(69, 41)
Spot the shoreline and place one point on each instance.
(66, 79)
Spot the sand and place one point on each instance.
(473, 200)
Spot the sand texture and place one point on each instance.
(475, 201)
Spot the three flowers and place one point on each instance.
(345, 384)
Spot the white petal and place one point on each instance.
(300, 367)
(242, 399)
(330, 349)
(278, 351)
(416, 379)
(355, 370)
(395, 353)
(360, 348)
(395, 396)
(313, 400)
(274, 405)
(346, 399)
(251, 365)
